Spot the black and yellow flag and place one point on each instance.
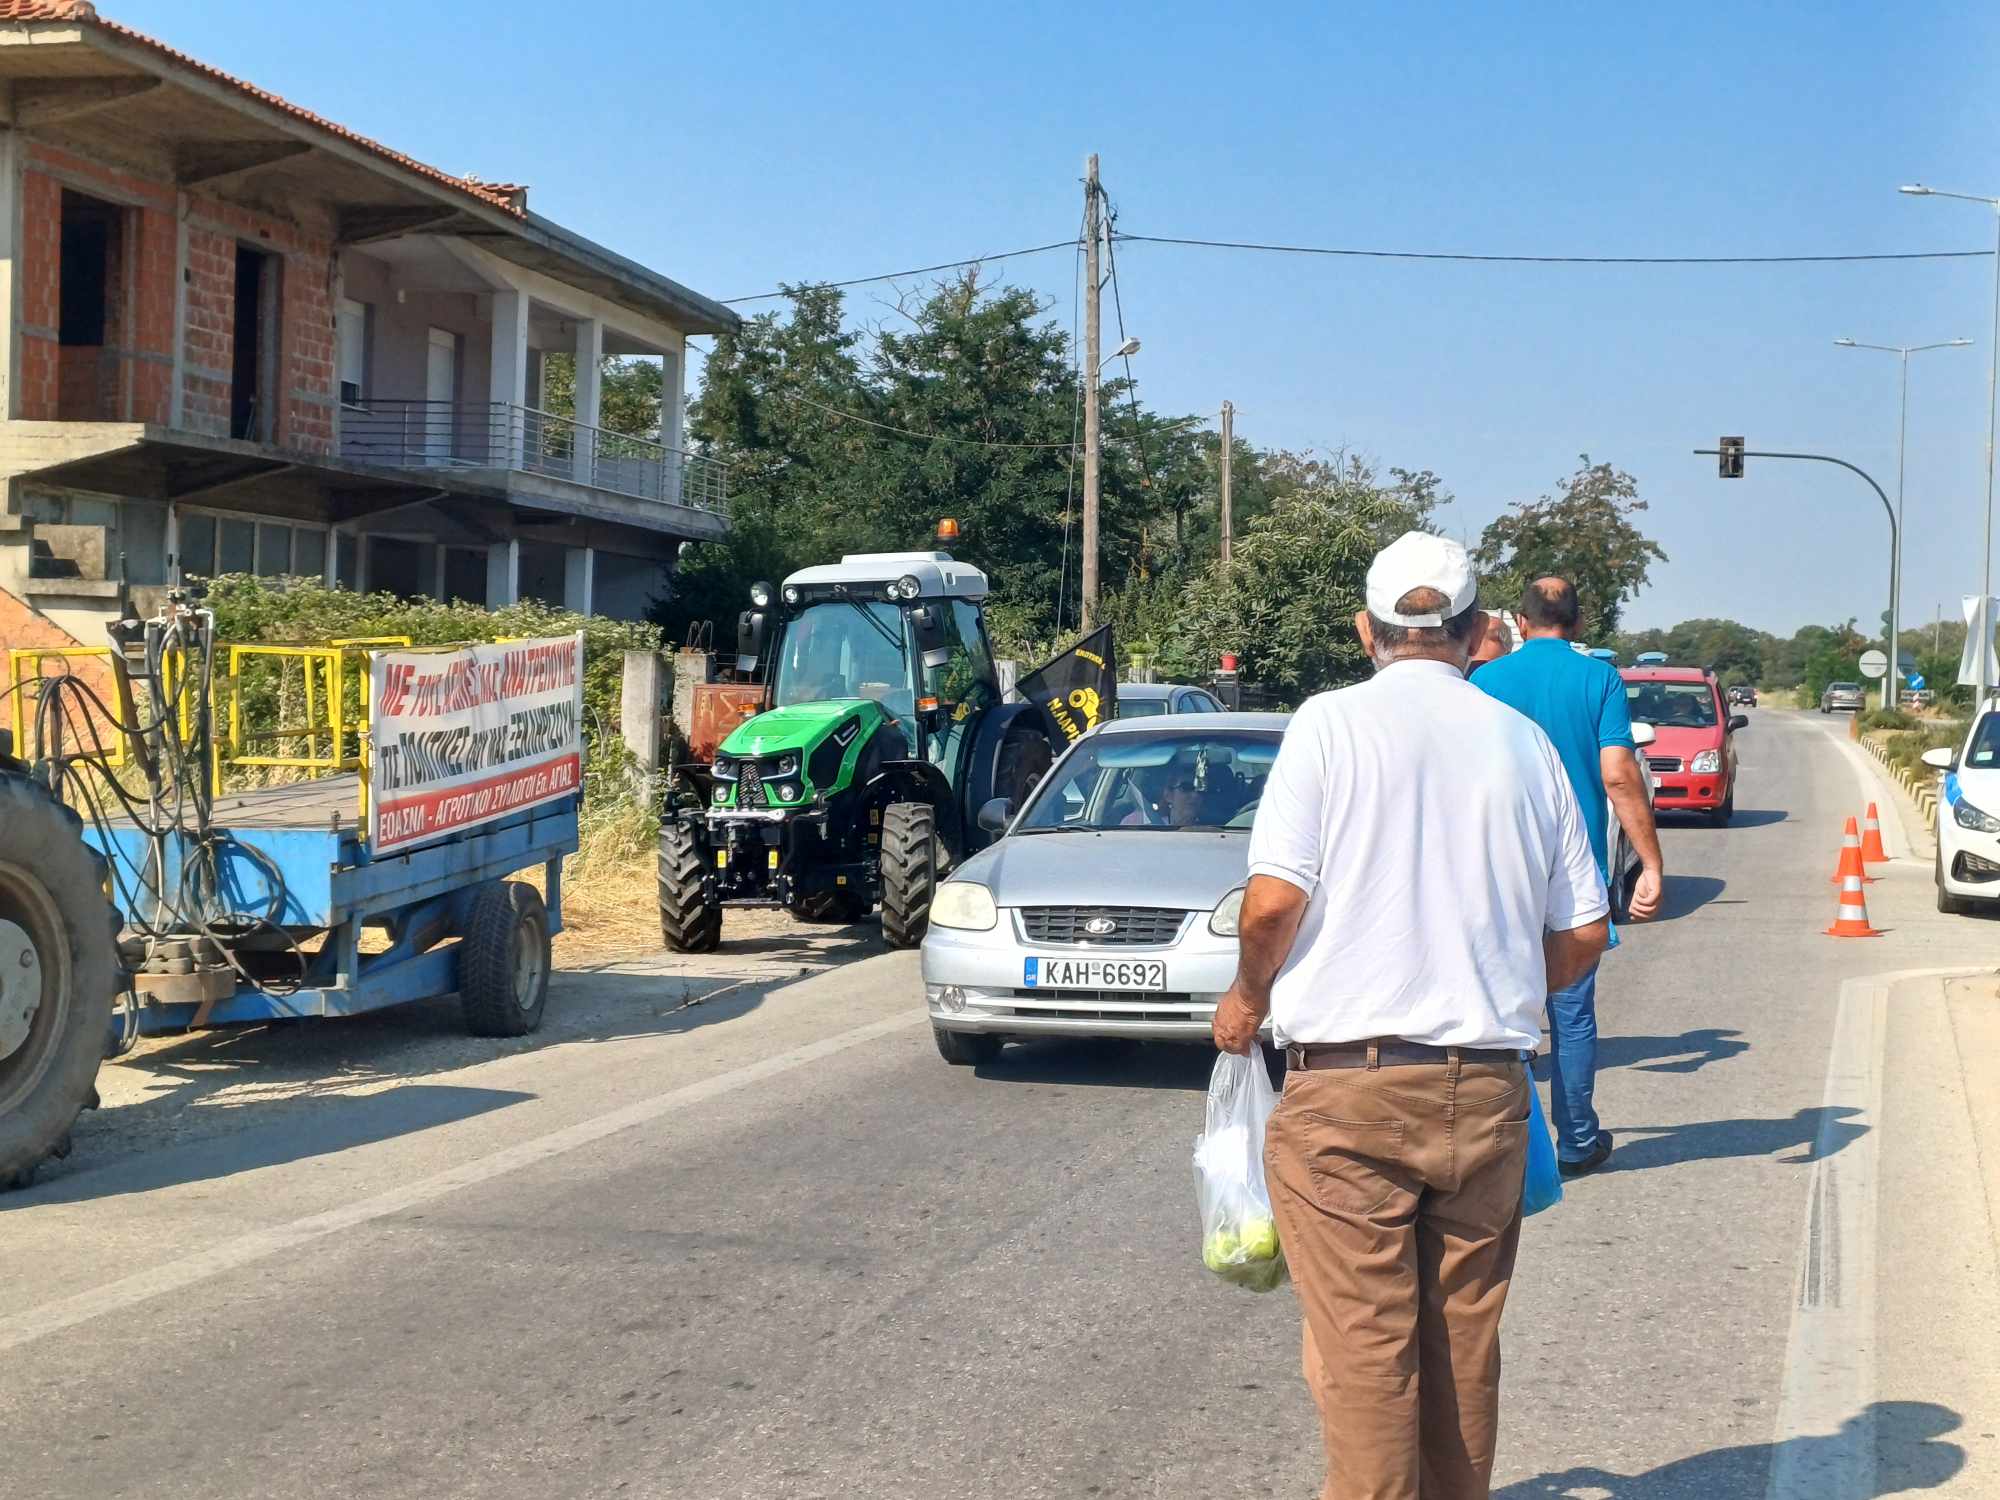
(1078, 690)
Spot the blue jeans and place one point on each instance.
(1573, 1067)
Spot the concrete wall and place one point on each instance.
(625, 587)
(399, 331)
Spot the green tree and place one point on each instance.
(1285, 600)
(628, 393)
(1585, 533)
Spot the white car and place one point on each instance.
(1968, 817)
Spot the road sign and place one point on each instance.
(1916, 682)
(1729, 460)
(1874, 664)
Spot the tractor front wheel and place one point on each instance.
(689, 922)
(909, 871)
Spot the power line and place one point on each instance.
(944, 265)
(1554, 260)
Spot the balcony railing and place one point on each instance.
(500, 435)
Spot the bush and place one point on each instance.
(1886, 718)
(1906, 749)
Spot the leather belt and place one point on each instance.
(1389, 1052)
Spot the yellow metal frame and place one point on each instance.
(334, 719)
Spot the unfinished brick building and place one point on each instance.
(239, 338)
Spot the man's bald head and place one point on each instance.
(1549, 607)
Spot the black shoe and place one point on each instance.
(1586, 1165)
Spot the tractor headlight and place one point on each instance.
(788, 765)
(905, 587)
(761, 595)
(1966, 815)
(721, 792)
(1706, 762)
(961, 903)
(1227, 911)
(724, 768)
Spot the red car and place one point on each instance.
(1693, 757)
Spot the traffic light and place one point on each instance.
(1729, 458)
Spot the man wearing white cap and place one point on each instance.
(1421, 879)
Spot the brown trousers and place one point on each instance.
(1398, 1198)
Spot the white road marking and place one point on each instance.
(157, 1281)
(1874, 787)
(1829, 1381)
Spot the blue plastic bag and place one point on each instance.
(1541, 1184)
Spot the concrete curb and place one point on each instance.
(1922, 786)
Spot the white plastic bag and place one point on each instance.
(1239, 1236)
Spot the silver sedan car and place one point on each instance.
(1109, 909)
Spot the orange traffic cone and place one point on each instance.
(1850, 858)
(1871, 838)
(1852, 920)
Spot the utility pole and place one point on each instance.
(1092, 209)
(1228, 456)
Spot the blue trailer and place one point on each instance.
(449, 919)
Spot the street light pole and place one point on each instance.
(1891, 680)
(1091, 289)
(1918, 190)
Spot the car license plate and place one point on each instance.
(1096, 974)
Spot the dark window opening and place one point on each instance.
(88, 309)
(252, 351)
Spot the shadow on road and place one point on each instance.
(1100, 1063)
(318, 1127)
(1906, 1437)
(1683, 895)
(1687, 1053)
(1758, 817)
(1642, 1146)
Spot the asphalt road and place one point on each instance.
(771, 1246)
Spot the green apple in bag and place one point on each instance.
(1259, 1239)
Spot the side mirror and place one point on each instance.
(1738, 721)
(752, 626)
(1941, 759)
(928, 628)
(995, 814)
(1643, 734)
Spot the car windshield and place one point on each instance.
(1984, 752)
(1675, 705)
(1155, 780)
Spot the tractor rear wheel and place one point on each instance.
(909, 871)
(59, 976)
(689, 922)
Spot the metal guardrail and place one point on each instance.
(500, 435)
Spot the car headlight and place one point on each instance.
(1966, 815)
(724, 768)
(1223, 922)
(964, 904)
(1706, 762)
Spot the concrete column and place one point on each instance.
(589, 394)
(10, 274)
(639, 699)
(332, 569)
(508, 385)
(503, 574)
(437, 588)
(673, 421)
(177, 397)
(579, 572)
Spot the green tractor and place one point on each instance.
(871, 770)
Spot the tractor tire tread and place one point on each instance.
(909, 871)
(688, 924)
(46, 837)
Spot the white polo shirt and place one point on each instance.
(1437, 837)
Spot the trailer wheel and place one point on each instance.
(504, 960)
(909, 871)
(689, 922)
(59, 976)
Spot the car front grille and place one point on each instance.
(1132, 926)
(1102, 1005)
(1663, 762)
(749, 787)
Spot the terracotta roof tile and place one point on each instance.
(509, 197)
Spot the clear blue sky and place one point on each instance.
(732, 146)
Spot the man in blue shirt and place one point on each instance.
(1579, 702)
